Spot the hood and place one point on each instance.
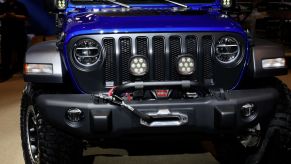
(149, 21)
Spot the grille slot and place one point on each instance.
(191, 46)
(175, 51)
(110, 61)
(142, 46)
(207, 50)
(125, 54)
(159, 57)
(192, 49)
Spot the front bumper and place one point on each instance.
(212, 114)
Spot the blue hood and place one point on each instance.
(94, 23)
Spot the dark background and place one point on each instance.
(40, 21)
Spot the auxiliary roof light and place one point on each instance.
(61, 4)
(226, 3)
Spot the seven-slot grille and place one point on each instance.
(162, 53)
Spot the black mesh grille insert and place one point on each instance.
(207, 45)
(159, 57)
(192, 49)
(142, 46)
(110, 62)
(175, 51)
(191, 46)
(125, 54)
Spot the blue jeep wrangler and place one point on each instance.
(154, 77)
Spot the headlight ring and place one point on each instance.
(86, 54)
(228, 51)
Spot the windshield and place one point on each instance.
(141, 1)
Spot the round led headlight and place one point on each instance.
(186, 65)
(227, 50)
(86, 52)
(138, 66)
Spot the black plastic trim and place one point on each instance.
(43, 79)
(206, 115)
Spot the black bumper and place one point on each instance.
(205, 115)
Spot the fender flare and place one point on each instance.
(45, 53)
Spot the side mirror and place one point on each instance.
(55, 5)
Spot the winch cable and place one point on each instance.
(114, 95)
(118, 101)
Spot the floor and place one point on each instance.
(10, 144)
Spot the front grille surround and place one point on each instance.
(162, 51)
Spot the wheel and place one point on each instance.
(278, 150)
(41, 142)
(266, 143)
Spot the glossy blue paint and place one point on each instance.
(247, 61)
(89, 8)
(92, 19)
(160, 5)
(96, 24)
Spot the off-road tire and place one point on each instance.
(54, 146)
(276, 139)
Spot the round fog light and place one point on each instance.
(186, 65)
(75, 114)
(248, 110)
(138, 66)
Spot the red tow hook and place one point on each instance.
(110, 92)
(129, 97)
